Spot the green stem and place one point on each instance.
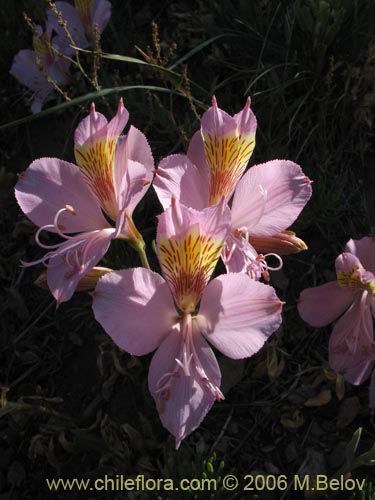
(142, 255)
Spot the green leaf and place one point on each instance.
(199, 47)
(92, 96)
(352, 446)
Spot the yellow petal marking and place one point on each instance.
(95, 160)
(187, 265)
(227, 158)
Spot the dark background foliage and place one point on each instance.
(76, 405)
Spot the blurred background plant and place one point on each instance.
(77, 406)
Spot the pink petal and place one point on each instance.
(68, 267)
(92, 127)
(47, 186)
(137, 177)
(228, 145)
(186, 400)
(246, 121)
(217, 123)
(26, 71)
(238, 314)
(101, 14)
(139, 149)
(360, 373)
(178, 219)
(239, 256)
(118, 122)
(347, 263)
(177, 176)
(94, 149)
(352, 339)
(74, 25)
(269, 197)
(364, 249)
(132, 188)
(127, 303)
(323, 304)
(95, 127)
(189, 244)
(197, 156)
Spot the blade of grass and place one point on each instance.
(95, 95)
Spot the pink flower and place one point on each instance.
(267, 199)
(112, 174)
(80, 21)
(351, 298)
(33, 68)
(142, 312)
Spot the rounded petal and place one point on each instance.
(352, 339)
(238, 314)
(47, 186)
(323, 304)
(364, 249)
(269, 197)
(135, 308)
(69, 266)
(177, 176)
(185, 400)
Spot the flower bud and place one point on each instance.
(283, 243)
(88, 282)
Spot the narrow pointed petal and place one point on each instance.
(246, 121)
(226, 152)
(228, 144)
(101, 13)
(238, 314)
(133, 148)
(68, 267)
(352, 339)
(189, 245)
(323, 304)
(182, 400)
(47, 186)
(177, 176)
(91, 128)
(132, 187)
(94, 149)
(269, 197)
(364, 249)
(126, 304)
